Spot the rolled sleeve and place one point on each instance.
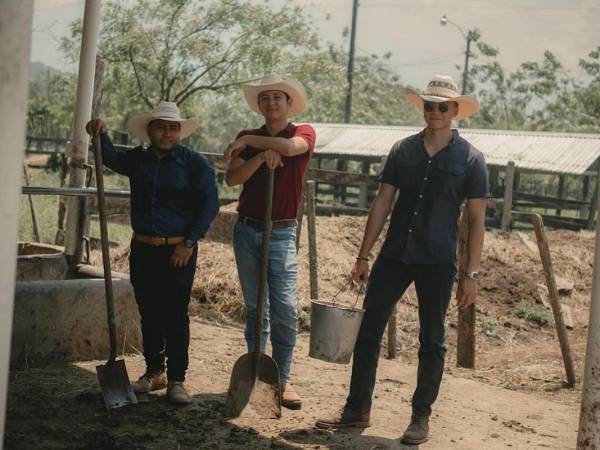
(205, 187)
(117, 160)
(307, 133)
(389, 174)
(477, 184)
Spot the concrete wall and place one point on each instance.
(66, 320)
(41, 262)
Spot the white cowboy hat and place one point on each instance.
(293, 88)
(443, 89)
(138, 123)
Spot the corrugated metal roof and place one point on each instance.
(546, 152)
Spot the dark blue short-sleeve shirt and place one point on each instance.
(424, 223)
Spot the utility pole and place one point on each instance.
(348, 111)
(466, 68)
(472, 35)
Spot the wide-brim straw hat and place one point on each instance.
(293, 88)
(440, 89)
(138, 123)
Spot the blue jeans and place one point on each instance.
(281, 315)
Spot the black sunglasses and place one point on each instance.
(430, 106)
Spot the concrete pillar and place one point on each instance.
(589, 431)
(15, 35)
(83, 113)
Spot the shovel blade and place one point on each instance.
(114, 384)
(260, 397)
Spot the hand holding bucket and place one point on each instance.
(334, 329)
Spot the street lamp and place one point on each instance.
(472, 35)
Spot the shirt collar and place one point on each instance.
(171, 155)
(286, 132)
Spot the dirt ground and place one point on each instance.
(514, 398)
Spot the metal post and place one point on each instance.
(589, 432)
(312, 241)
(348, 110)
(83, 113)
(15, 35)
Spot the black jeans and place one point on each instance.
(163, 293)
(389, 279)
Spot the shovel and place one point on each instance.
(254, 385)
(113, 378)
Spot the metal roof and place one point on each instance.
(537, 151)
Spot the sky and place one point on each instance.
(410, 29)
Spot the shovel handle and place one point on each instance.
(264, 264)
(110, 306)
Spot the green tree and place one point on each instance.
(177, 49)
(51, 104)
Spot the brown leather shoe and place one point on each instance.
(345, 418)
(177, 394)
(150, 382)
(289, 397)
(417, 431)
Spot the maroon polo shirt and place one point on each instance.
(287, 191)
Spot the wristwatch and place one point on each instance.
(188, 243)
(471, 275)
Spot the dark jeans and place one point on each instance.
(389, 279)
(163, 293)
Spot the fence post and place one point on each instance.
(561, 330)
(312, 241)
(508, 195)
(34, 225)
(594, 201)
(465, 338)
(300, 216)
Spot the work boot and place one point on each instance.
(289, 397)
(150, 382)
(177, 394)
(417, 431)
(345, 418)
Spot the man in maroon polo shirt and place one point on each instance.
(287, 148)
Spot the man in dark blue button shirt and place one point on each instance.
(433, 172)
(173, 202)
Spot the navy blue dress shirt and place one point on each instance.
(424, 224)
(171, 196)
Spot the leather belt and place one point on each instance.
(275, 224)
(158, 240)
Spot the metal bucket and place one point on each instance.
(333, 331)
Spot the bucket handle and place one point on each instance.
(344, 287)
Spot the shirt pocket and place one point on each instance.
(409, 172)
(450, 176)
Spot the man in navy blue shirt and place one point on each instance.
(433, 172)
(173, 202)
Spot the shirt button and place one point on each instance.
(420, 195)
(410, 230)
(429, 162)
(425, 178)
(416, 213)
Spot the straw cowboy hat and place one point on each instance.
(293, 88)
(138, 123)
(443, 89)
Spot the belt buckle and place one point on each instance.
(165, 240)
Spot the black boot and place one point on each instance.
(417, 431)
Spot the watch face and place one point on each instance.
(188, 244)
